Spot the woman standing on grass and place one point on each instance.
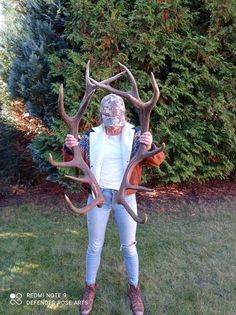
(107, 149)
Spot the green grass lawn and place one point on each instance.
(187, 261)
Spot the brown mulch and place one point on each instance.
(51, 194)
(168, 196)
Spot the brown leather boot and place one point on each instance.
(88, 298)
(136, 302)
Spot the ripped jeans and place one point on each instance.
(97, 220)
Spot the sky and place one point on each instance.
(1, 18)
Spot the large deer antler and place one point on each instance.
(78, 162)
(144, 111)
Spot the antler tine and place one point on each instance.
(71, 163)
(115, 77)
(134, 87)
(155, 151)
(131, 212)
(84, 210)
(89, 86)
(73, 122)
(61, 106)
(156, 93)
(89, 91)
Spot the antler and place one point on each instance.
(144, 111)
(77, 161)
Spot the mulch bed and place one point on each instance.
(165, 198)
(51, 194)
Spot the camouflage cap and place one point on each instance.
(112, 110)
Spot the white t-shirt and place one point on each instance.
(112, 171)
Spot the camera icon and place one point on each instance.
(15, 298)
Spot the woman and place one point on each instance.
(107, 149)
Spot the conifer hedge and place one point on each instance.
(188, 45)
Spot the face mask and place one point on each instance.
(115, 121)
(112, 111)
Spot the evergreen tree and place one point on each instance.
(29, 77)
(32, 30)
(188, 45)
(10, 37)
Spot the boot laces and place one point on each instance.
(135, 294)
(89, 291)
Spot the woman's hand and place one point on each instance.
(146, 138)
(71, 141)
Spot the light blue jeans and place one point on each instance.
(97, 219)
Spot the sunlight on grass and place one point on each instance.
(23, 267)
(72, 231)
(187, 260)
(55, 307)
(16, 234)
